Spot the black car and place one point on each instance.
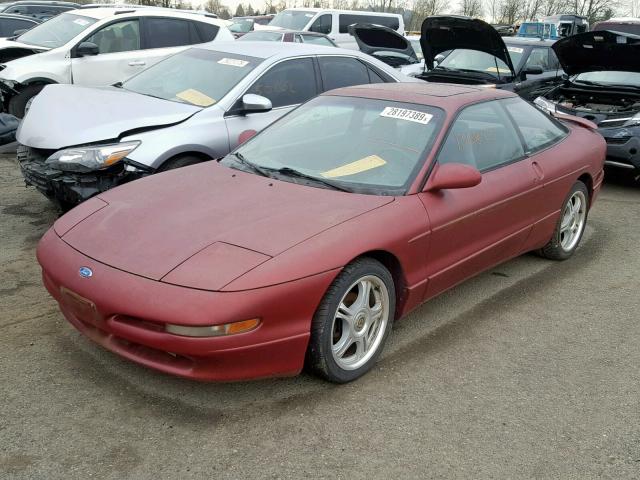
(603, 87)
(10, 24)
(39, 9)
(469, 51)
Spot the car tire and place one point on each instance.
(179, 162)
(571, 224)
(348, 333)
(18, 103)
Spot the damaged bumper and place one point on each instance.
(71, 188)
(623, 147)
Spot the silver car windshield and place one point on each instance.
(356, 144)
(610, 77)
(262, 36)
(292, 19)
(195, 76)
(57, 31)
(475, 60)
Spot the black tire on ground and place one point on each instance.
(179, 162)
(554, 250)
(320, 358)
(18, 103)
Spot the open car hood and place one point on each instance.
(442, 33)
(69, 115)
(213, 222)
(372, 39)
(598, 51)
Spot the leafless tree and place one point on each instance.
(471, 8)
(422, 9)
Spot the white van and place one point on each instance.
(333, 23)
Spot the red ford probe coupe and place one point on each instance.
(307, 242)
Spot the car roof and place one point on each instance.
(272, 49)
(524, 41)
(448, 96)
(100, 13)
(356, 12)
(40, 2)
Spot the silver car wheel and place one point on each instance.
(573, 220)
(360, 322)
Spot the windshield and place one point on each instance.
(57, 31)
(477, 61)
(241, 26)
(415, 43)
(612, 77)
(292, 19)
(262, 36)
(362, 145)
(195, 76)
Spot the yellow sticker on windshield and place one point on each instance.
(195, 97)
(501, 70)
(359, 166)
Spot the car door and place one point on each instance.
(117, 59)
(339, 71)
(536, 85)
(164, 36)
(287, 84)
(476, 228)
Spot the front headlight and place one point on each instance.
(545, 104)
(86, 159)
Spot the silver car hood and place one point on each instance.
(69, 115)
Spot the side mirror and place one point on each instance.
(255, 103)
(449, 176)
(438, 59)
(20, 32)
(533, 70)
(87, 49)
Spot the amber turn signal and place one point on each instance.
(214, 330)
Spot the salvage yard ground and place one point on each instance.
(531, 370)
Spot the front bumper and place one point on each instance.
(623, 147)
(69, 188)
(126, 314)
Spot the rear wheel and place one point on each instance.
(353, 321)
(570, 227)
(18, 103)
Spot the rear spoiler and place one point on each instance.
(583, 122)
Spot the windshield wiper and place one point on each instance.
(243, 161)
(292, 172)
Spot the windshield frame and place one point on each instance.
(91, 22)
(439, 118)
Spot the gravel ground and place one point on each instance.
(531, 370)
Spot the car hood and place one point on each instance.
(217, 218)
(442, 33)
(68, 115)
(598, 51)
(375, 38)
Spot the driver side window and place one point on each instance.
(322, 24)
(287, 83)
(118, 37)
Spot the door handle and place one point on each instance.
(137, 63)
(538, 170)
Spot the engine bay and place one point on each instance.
(608, 102)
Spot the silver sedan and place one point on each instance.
(194, 106)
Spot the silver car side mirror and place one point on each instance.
(255, 103)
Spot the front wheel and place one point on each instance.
(570, 226)
(353, 321)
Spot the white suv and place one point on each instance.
(96, 47)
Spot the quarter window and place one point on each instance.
(322, 24)
(482, 136)
(538, 129)
(206, 31)
(340, 72)
(169, 32)
(288, 83)
(118, 37)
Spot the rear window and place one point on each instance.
(350, 19)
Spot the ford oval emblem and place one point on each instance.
(85, 272)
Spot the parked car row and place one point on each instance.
(342, 193)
